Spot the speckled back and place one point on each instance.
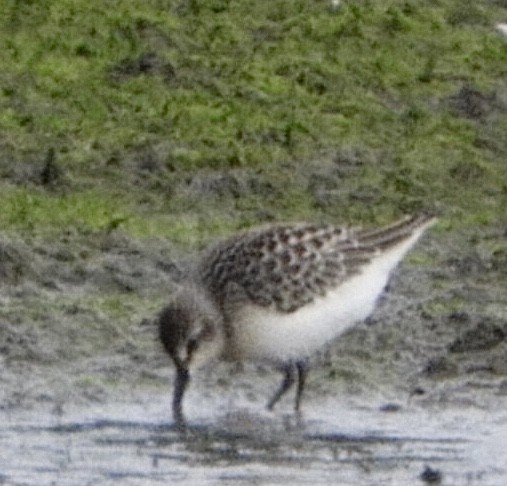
(287, 266)
(284, 266)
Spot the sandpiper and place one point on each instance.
(278, 294)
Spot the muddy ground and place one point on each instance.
(417, 394)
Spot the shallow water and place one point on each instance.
(135, 444)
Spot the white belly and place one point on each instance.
(267, 334)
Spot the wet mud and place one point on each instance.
(333, 443)
(415, 395)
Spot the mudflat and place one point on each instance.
(416, 393)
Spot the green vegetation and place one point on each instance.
(141, 100)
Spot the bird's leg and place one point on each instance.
(302, 367)
(287, 382)
(180, 384)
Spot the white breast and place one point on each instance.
(265, 333)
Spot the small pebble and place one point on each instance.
(390, 407)
(418, 391)
(431, 476)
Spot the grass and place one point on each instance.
(201, 89)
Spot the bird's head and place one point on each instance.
(190, 328)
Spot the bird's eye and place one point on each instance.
(192, 346)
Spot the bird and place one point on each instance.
(279, 293)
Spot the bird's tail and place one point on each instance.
(396, 232)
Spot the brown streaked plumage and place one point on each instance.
(280, 292)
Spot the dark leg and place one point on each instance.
(287, 382)
(302, 367)
(180, 384)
